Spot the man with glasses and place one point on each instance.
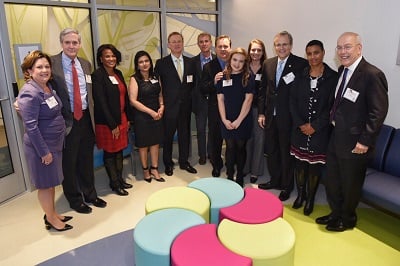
(222, 49)
(359, 110)
(278, 75)
(177, 75)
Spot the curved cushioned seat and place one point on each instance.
(199, 246)
(267, 244)
(221, 192)
(180, 197)
(154, 234)
(257, 206)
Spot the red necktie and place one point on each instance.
(77, 93)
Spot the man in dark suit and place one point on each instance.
(222, 49)
(199, 103)
(273, 108)
(177, 75)
(359, 110)
(78, 184)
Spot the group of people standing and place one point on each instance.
(300, 113)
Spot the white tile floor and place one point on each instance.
(24, 240)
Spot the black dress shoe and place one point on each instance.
(202, 160)
(284, 195)
(216, 172)
(253, 179)
(125, 185)
(189, 168)
(325, 219)
(267, 185)
(338, 226)
(120, 191)
(65, 219)
(169, 170)
(98, 202)
(49, 226)
(82, 208)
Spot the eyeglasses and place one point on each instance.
(283, 45)
(344, 48)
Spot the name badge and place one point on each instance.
(289, 78)
(51, 102)
(351, 95)
(153, 81)
(113, 80)
(189, 78)
(226, 83)
(258, 76)
(88, 78)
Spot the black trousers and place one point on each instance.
(343, 184)
(78, 162)
(280, 162)
(215, 137)
(181, 125)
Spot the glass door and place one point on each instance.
(12, 182)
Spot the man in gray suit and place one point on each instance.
(78, 184)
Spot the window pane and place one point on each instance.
(195, 5)
(191, 25)
(141, 3)
(73, 1)
(130, 32)
(23, 28)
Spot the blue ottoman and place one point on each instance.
(221, 192)
(155, 233)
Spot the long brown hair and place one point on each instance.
(245, 70)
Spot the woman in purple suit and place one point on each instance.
(40, 109)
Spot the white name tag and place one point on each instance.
(113, 80)
(226, 83)
(258, 76)
(289, 78)
(51, 102)
(88, 79)
(351, 95)
(189, 78)
(313, 83)
(153, 81)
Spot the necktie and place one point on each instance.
(338, 96)
(205, 61)
(77, 93)
(179, 68)
(279, 72)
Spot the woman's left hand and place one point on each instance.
(47, 159)
(115, 133)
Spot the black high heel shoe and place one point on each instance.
(49, 226)
(160, 179)
(148, 179)
(66, 218)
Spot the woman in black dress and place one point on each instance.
(146, 97)
(310, 101)
(235, 88)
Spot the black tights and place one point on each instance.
(235, 154)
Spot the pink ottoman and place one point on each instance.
(200, 246)
(256, 207)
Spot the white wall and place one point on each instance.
(377, 21)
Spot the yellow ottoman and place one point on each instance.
(180, 197)
(267, 244)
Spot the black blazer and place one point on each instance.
(177, 94)
(207, 86)
(198, 98)
(107, 107)
(270, 97)
(361, 120)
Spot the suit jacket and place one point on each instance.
(272, 97)
(360, 120)
(106, 95)
(198, 97)
(177, 94)
(62, 89)
(207, 86)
